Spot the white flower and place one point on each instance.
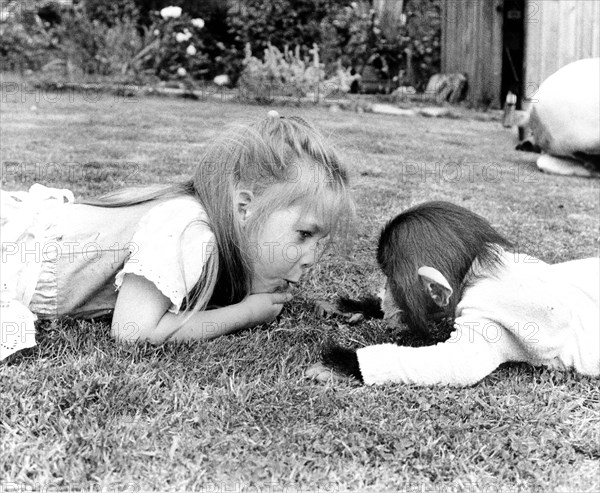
(221, 80)
(184, 36)
(170, 12)
(191, 50)
(181, 72)
(354, 5)
(198, 23)
(220, 45)
(156, 32)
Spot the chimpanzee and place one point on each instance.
(444, 261)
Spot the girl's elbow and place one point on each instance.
(136, 332)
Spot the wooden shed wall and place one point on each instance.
(472, 44)
(558, 32)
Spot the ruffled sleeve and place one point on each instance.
(171, 247)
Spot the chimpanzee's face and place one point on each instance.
(391, 312)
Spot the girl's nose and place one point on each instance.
(308, 258)
(307, 264)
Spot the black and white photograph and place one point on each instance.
(288, 246)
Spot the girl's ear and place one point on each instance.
(243, 198)
(436, 285)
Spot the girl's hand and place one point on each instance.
(264, 307)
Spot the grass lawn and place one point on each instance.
(237, 414)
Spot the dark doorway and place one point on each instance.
(513, 49)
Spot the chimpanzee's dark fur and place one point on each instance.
(342, 360)
(369, 306)
(441, 235)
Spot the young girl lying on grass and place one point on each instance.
(442, 261)
(192, 261)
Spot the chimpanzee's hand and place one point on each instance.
(326, 309)
(339, 363)
(323, 374)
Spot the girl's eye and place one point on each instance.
(305, 234)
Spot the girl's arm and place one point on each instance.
(141, 313)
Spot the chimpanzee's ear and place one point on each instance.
(436, 285)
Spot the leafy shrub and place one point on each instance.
(194, 8)
(24, 42)
(423, 32)
(178, 49)
(106, 37)
(94, 47)
(224, 54)
(109, 12)
(356, 36)
(280, 74)
(351, 36)
(350, 32)
(280, 23)
(340, 82)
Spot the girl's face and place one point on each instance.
(285, 248)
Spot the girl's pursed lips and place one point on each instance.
(286, 286)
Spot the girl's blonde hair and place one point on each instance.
(284, 162)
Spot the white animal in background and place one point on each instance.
(564, 119)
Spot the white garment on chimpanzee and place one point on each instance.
(523, 310)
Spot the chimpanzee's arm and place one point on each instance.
(342, 360)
